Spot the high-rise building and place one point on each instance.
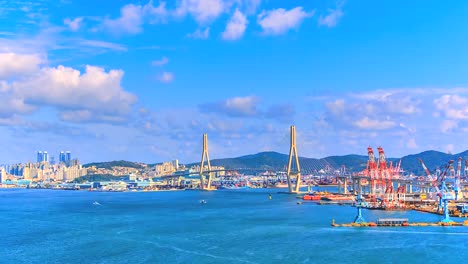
(62, 157)
(65, 157)
(68, 156)
(40, 156)
(175, 163)
(45, 156)
(2, 175)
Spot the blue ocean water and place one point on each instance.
(234, 226)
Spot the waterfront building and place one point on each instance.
(175, 164)
(132, 177)
(165, 168)
(73, 172)
(3, 175)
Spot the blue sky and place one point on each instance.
(143, 80)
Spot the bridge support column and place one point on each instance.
(202, 165)
(345, 184)
(293, 152)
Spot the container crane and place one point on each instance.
(465, 172)
(444, 196)
(385, 179)
(371, 167)
(433, 180)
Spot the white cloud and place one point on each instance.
(236, 106)
(332, 18)
(251, 5)
(235, 27)
(133, 16)
(74, 24)
(26, 87)
(161, 62)
(453, 106)
(366, 123)
(200, 34)
(166, 77)
(66, 87)
(448, 125)
(337, 107)
(279, 21)
(130, 20)
(18, 64)
(155, 14)
(203, 11)
(391, 101)
(102, 44)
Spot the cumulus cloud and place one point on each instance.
(133, 16)
(200, 34)
(73, 24)
(155, 14)
(66, 88)
(392, 101)
(130, 20)
(12, 64)
(235, 27)
(332, 18)
(203, 11)
(374, 110)
(92, 95)
(279, 21)
(166, 77)
(453, 106)
(235, 107)
(251, 5)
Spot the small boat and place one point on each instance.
(308, 197)
(203, 201)
(96, 203)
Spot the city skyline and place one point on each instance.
(143, 80)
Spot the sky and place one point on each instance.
(143, 80)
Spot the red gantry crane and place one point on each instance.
(372, 168)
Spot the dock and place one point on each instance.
(398, 222)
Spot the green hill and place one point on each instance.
(277, 161)
(116, 163)
(353, 163)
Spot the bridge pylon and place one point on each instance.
(293, 153)
(202, 165)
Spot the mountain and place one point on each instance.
(432, 159)
(277, 161)
(115, 163)
(353, 163)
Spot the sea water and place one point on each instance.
(233, 226)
